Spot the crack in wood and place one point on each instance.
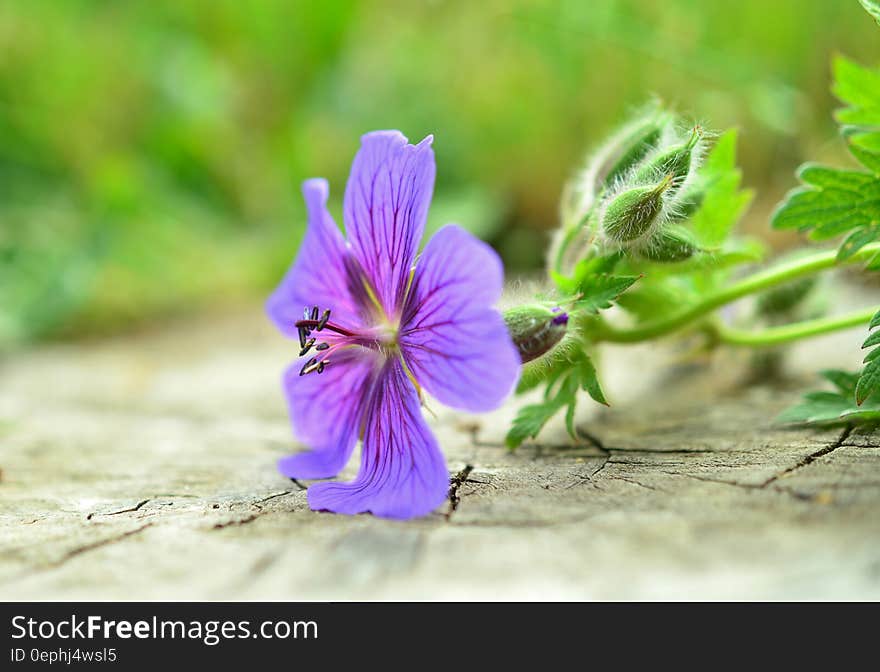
(588, 478)
(812, 457)
(98, 544)
(238, 521)
(270, 497)
(136, 507)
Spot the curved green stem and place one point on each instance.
(756, 283)
(791, 332)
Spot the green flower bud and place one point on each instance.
(631, 214)
(633, 145)
(675, 161)
(535, 329)
(670, 245)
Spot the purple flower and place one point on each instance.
(376, 323)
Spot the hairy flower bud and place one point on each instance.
(632, 214)
(671, 244)
(632, 144)
(535, 329)
(676, 161)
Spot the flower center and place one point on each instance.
(334, 338)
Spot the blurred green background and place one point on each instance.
(151, 151)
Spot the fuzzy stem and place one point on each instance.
(758, 282)
(790, 332)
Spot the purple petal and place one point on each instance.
(320, 276)
(386, 204)
(402, 474)
(454, 341)
(325, 411)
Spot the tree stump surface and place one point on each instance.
(143, 467)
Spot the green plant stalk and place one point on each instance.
(602, 331)
(790, 332)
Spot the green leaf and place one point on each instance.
(590, 381)
(859, 88)
(562, 392)
(598, 291)
(834, 408)
(595, 265)
(723, 202)
(817, 408)
(834, 202)
(873, 8)
(869, 380)
(855, 84)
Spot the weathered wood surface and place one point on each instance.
(143, 468)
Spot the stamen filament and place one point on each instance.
(313, 324)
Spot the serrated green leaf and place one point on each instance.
(562, 391)
(590, 381)
(873, 8)
(828, 212)
(531, 418)
(599, 290)
(853, 181)
(528, 423)
(859, 88)
(585, 268)
(869, 380)
(872, 340)
(838, 407)
(817, 408)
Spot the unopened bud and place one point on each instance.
(631, 214)
(675, 161)
(535, 329)
(632, 144)
(671, 244)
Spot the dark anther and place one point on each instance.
(307, 346)
(321, 366)
(322, 346)
(308, 367)
(324, 318)
(314, 315)
(302, 337)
